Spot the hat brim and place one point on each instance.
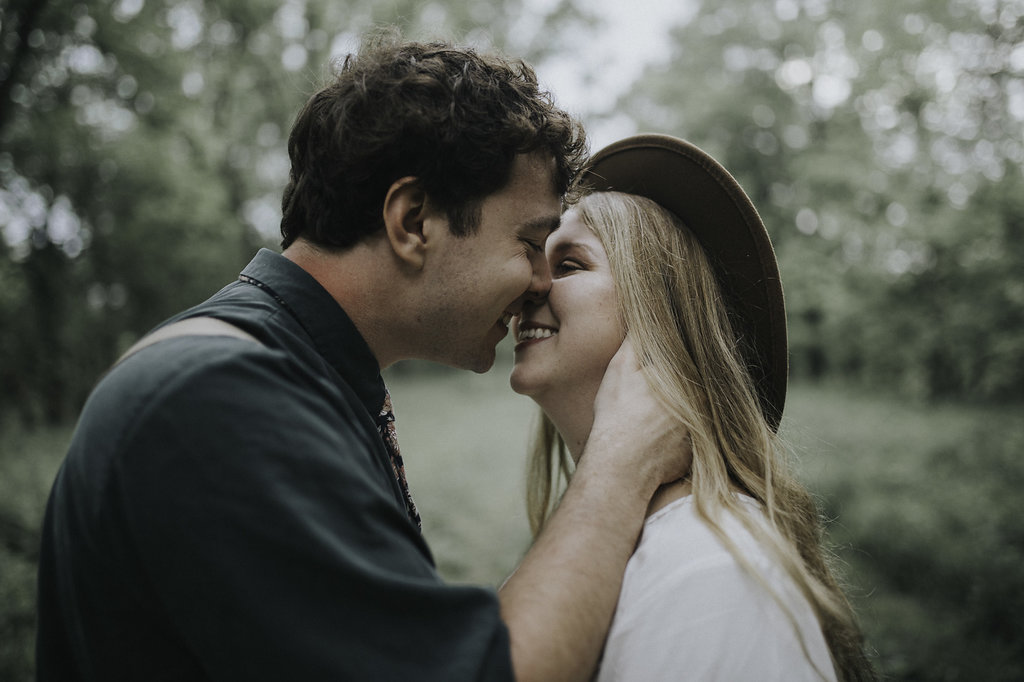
(687, 181)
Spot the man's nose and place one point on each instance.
(540, 283)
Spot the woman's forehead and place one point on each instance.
(572, 229)
(572, 235)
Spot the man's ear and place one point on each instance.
(405, 210)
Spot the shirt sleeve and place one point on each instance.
(273, 545)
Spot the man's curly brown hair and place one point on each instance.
(452, 118)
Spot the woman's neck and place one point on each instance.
(573, 418)
(574, 428)
(572, 413)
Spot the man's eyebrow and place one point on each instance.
(546, 224)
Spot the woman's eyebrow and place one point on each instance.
(562, 247)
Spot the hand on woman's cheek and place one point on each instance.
(631, 425)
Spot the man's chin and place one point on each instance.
(484, 365)
(479, 363)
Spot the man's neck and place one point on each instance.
(359, 279)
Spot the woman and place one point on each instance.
(729, 580)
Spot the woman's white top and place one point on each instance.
(689, 611)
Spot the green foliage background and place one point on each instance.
(142, 156)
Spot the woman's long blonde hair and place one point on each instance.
(673, 310)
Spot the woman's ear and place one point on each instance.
(405, 210)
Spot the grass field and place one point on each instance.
(927, 515)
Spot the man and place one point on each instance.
(232, 505)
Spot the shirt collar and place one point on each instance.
(333, 332)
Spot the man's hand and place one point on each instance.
(632, 431)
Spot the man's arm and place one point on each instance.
(559, 603)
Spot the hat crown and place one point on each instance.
(690, 183)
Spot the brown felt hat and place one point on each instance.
(695, 187)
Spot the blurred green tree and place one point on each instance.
(883, 145)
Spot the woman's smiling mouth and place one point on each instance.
(535, 333)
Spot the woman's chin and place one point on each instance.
(522, 382)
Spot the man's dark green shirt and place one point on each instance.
(227, 511)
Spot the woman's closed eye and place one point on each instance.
(566, 266)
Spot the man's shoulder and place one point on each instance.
(182, 361)
(174, 378)
(222, 399)
(231, 376)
